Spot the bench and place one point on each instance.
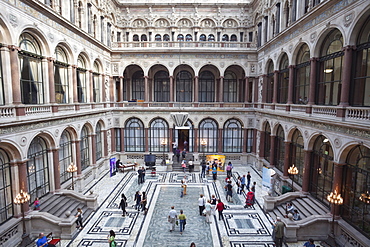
(127, 166)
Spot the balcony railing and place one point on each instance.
(184, 44)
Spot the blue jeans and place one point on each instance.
(182, 225)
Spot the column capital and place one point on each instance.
(74, 66)
(50, 59)
(121, 77)
(13, 48)
(348, 48)
(291, 66)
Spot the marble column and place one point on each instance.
(313, 75)
(23, 185)
(146, 90)
(92, 139)
(346, 77)
(50, 62)
(291, 84)
(171, 89)
(105, 144)
(247, 82)
(306, 171)
(56, 166)
(221, 90)
(91, 86)
(276, 88)
(78, 156)
(122, 139)
(220, 138)
(113, 140)
(121, 89)
(272, 150)
(196, 89)
(254, 147)
(146, 130)
(264, 89)
(262, 143)
(74, 84)
(15, 74)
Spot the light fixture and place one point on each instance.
(71, 169)
(325, 140)
(203, 143)
(365, 197)
(163, 144)
(20, 199)
(334, 199)
(293, 171)
(328, 70)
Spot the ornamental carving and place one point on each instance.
(13, 20)
(347, 19)
(337, 143)
(313, 37)
(23, 141)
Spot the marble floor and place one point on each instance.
(240, 226)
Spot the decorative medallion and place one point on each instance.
(170, 64)
(196, 64)
(253, 68)
(347, 20)
(313, 37)
(51, 37)
(75, 48)
(306, 133)
(290, 48)
(222, 64)
(337, 143)
(56, 133)
(115, 68)
(23, 141)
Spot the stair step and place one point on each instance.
(315, 206)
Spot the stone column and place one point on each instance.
(346, 80)
(196, 89)
(245, 140)
(15, 74)
(276, 82)
(113, 140)
(103, 93)
(91, 86)
(286, 158)
(105, 144)
(122, 139)
(78, 156)
(171, 89)
(74, 83)
(264, 89)
(112, 90)
(221, 88)
(272, 150)
(246, 89)
(291, 84)
(254, 148)
(50, 62)
(306, 171)
(337, 185)
(262, 143)
(196, 144)
(121, 89)
(220, 138)
(146, 90)
(56, 166)
(146, 130)
(92, 138)
(313, 75)
(22, 178)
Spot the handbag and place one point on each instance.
(177, 222)
(184, 221)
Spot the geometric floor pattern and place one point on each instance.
(239, 227)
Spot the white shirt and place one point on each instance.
(201, 201)
(172, 213)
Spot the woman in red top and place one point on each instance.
(220, 207)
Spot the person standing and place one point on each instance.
(174, 147)
(139, 175)
(208, 208)
(143, 201)
(213, 203)
(137, 200)
(178, 155)
(253, 188)
(191, 166)
(112, 238)
(184, 182)
(143, 174)
(214, 173)
(79, 216)
(248, 180)
(36, 204)
(201, 204)
(123, 204)
(242, 181)
(239, 185)
(182, 218)
(172, 216)
(220, 207)
(279, 232)
(183, 165)
(229, 169)
(204, 166)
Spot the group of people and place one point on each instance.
(289, 209)
(209, 207)
(141, 175)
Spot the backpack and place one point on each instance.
(228, 168)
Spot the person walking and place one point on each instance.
(182, 218)
(79, 216)
(204, 166)
(143, 201)
(239, 185)
(253, 188)
(112, 239)
(191, 166)
(139, 175)
(229, 169)
(137, 200)
(182, 189)
(213, 203)
(123, 204)
(279, 232)
(248, 180)
(229, 191)
(201, 204)
(208, 208)
(183, 165)
(214, 173)
(192, 244)
(172, 216)
(184, 181)
(220, 207)
(242, 181)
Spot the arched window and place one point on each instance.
(134, 136)
(208, 131)
(32, 85)
(135, 37)
(61, 77)
(230, 87)
(81, 80)
(283, 81)
(6, 194)
(99, 142)
(270, 82)
(233, 137)
(280, 148)
(138, 85)
(166, 37)
(184, 86)
(189, 37)
(297, 155)
(143, 37)
(161, 86)
(211, 37)
(330, 70)
(225, 37)
(233, 38)
(267, 142)
(158, 131)
(360, 88)
(158, 37)
(65, 156)
(301, 83)
(322, 169)
(202, 37)
(96, 83)
(85, 147)
(206, 87)
(37, 169)
(180, 37)
(356, 184)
